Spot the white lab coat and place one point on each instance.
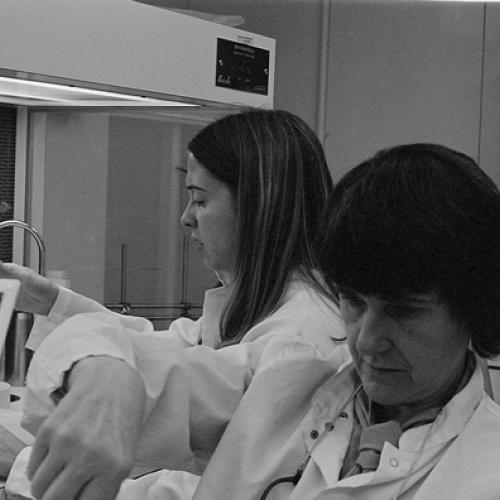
(271, 426)
(304, 319)
(456, 457)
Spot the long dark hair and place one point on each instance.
(275, 167)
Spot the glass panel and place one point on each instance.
(108, 193)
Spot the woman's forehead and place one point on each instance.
(198, 177)
(200, 180)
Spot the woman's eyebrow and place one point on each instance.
(411, 299)
(415, 299)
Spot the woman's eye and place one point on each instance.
(199, 203)
(403, 311)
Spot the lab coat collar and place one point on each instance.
(216, 300)
(452, 418)
(214, 304)
(336, 391)
(335, 397)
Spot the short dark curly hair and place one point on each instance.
(420, 218)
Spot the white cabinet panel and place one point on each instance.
(490, 116)
(402, 72)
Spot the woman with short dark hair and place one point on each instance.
(411, 244)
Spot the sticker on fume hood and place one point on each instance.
(242, 67)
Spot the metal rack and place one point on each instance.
(184, 308)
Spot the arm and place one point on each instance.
(90, 440)
(53, 304)
(182, 332)
(190, 395)
(37, 294)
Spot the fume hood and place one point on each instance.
(59, 53)
(98, 100)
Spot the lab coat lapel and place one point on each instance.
(331, 419)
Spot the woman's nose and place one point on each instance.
(187, 218)
(373, 333)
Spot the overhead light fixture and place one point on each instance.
(34, 93)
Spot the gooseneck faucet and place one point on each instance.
(16, 358)
(36, 236)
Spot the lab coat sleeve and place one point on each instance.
(191, 393)
(267, 426)
(183, 332)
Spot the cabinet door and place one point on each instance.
(490, 116)
(402, 72)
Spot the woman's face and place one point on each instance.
(408, 351)
(211, 215)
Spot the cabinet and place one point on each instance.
(489, 139)
(402, 72)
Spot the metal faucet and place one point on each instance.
(15, 357)
(36, 237)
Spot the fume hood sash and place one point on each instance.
(124, 46)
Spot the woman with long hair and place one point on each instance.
(271, 172)
(258, 184)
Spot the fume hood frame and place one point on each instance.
(152, 55)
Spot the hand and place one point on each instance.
(86, 448)
(37, 294)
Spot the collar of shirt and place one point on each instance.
(214, 304)
(216, 300)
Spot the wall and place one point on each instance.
(489, 147)
(402, 72)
